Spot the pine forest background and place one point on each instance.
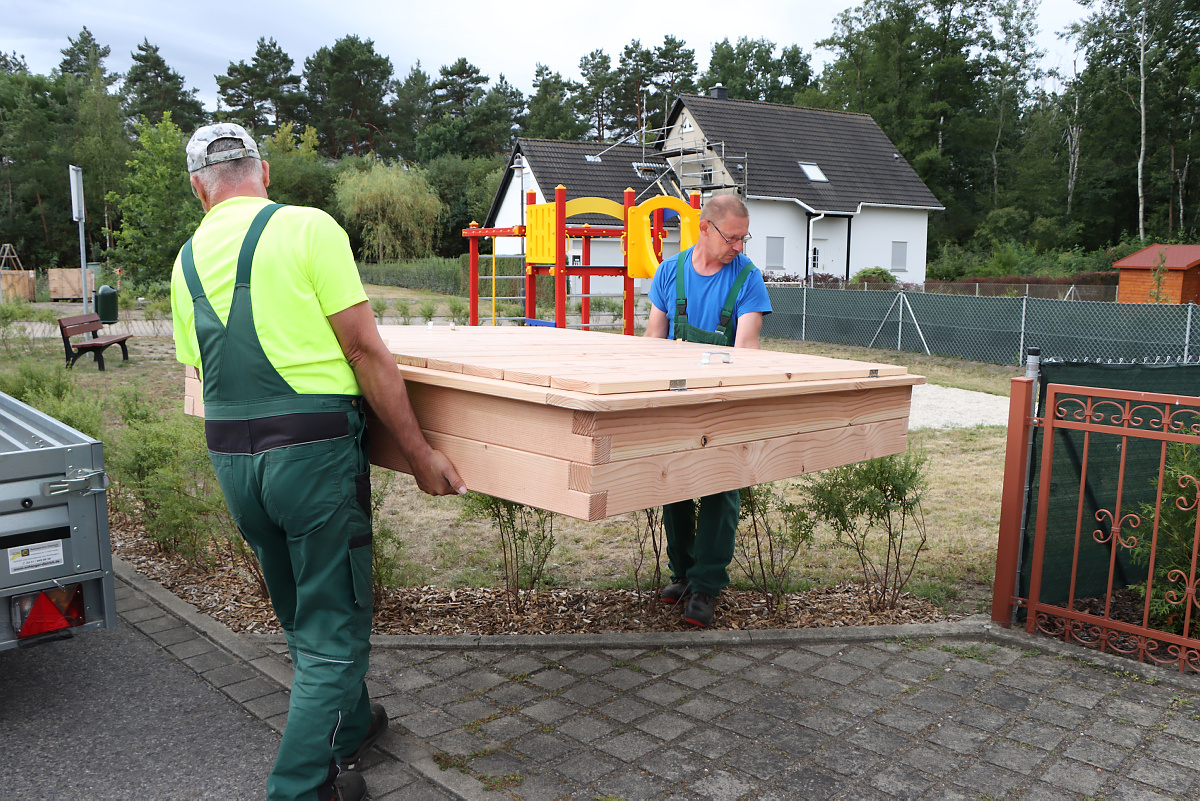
(1034, 181)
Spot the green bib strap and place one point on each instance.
(684, 330)
(239, 380)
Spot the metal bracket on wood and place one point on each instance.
(431, 323)
(704, 359)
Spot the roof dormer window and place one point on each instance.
(813, 171)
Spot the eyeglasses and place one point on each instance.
(729, 241)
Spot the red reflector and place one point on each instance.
(48, 610)
(42, 618)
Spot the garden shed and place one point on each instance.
(1180, 277)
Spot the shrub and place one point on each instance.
(649, 537)
(379, 307)
(1169, 596)
(80, 412)
(772, 531)
(404, 309)
(434, 274)
(873, 275)
(36, 377)
(881, 495)
(161, 472)
(427, 310)
(526, 540)
(458, 310)
(13, 315)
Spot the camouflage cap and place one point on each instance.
(198, 156)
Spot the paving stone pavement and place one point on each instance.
(963, 710)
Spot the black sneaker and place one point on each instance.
(379, 724)
(700, 609)
(674, 592)
(349, 786)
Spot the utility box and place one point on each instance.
(106, 304)
(57, 579)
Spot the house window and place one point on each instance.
(899, 256)
(813, 171)
(687, 126)
(706, 175)
(774, 253)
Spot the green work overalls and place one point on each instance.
(700, 543)
(295, 474)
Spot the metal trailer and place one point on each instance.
(57, 578)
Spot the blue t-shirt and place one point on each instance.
(706, 294)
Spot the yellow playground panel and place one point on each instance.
(643, 257)
(542, 229)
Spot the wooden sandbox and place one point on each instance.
(591, 424)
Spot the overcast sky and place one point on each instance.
(200, 40)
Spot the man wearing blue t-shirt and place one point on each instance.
(709, 293)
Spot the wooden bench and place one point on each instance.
(88, 324)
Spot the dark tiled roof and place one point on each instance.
(861, 163)
(609, 171)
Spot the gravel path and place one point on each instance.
(947, 407)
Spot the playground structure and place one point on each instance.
(547, 235)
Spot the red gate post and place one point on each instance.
(560, 256)
(530, 276)
(1012, 503)
(474, 295)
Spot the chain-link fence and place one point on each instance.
(986, 329)
(1091, 292)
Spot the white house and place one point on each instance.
(827, 190)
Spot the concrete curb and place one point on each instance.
(252, 648)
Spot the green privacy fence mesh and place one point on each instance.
(996, 330)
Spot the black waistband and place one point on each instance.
(279, 431)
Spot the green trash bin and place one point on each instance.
(106, 304)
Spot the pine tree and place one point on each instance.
(152, 88)
(83, 55)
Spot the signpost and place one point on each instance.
(79, 214)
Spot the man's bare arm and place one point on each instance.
(375, 368)
(748, 327)
(657, 325)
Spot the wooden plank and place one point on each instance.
(520, 476)
(598, 491)
(501, 421)
(646, 400)
(631, 435)
(655, 480)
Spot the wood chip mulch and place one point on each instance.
(229, 593)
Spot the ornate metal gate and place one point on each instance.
(1116, 535)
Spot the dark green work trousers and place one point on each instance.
(700, 541)
(305, 511)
